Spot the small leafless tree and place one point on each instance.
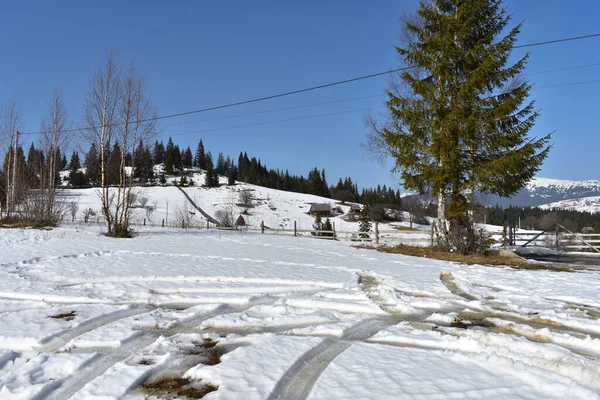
(53, 139)
(149, 211)
(73, 208)
(246, 198)
(101, 117)
(87, 213)
(185, 217)
(225, 216)
(142, 201)
(10, 119)
(118, 110)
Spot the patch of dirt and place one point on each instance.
(469, 324)
(404, 228)
(214, 356)
(176, 388)
(66, 316)
(207, 343)
(491, 259)
(208, 349)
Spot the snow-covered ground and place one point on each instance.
(585, 204)
(83, 316)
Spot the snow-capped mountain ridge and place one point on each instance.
(584, 204)
(541, 191)
(560, 184)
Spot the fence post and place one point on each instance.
(144, 221)
(376, 232)
(262, 226)
(295, 230)
(556, 238)
(333, 228)
(510, 235)
(207, 224)
(163, 223)
(432, 235)
(504, 229)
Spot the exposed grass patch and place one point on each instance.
(209, 350)
(492, 259)
(214, 356)
(207, 343)
(66, 316)
(404, 228)
(177, 387)
(17, 222)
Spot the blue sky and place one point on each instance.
(199, 54)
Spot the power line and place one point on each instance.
(557, 41)
(277, 121)
(566, 84)
(326, 114)
(309, 89)
(563, 69)
(364, 97)
(337, 113)
(276, 110)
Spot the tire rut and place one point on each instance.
(99, 365)
(299, 379)
(62, 338)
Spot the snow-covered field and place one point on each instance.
(278, 209)
(83, 316)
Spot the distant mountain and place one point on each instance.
(540, 191)
(584, 204)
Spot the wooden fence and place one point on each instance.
(376, 236)
(557, 237)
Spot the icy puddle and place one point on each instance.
(245, 316)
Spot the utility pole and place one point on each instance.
(14, 174)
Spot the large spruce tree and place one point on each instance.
(459, 118)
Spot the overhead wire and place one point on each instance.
(309, 89)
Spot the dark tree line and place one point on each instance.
(248, 169)
(536, 218)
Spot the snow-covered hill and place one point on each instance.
(543, 191)
(585, 204)
(278, 209)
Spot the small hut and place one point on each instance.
(587, 230)
(355, 208)
(240, 221)
(322, 209)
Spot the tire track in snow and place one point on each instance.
(62, 338)
(101, 364)
(299, 379)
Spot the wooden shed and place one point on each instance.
(240, 221)
(323, 209)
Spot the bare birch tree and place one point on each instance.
(101, 118)
(52, 140)
(10, 118)
(119, 110)
(137, 114)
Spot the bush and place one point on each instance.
(466, 239)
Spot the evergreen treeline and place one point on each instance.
(248, 169)
(536, 218)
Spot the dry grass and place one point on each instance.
(207, 343)
(209, 350)
(404, 228)
(17, 222)
(66, 316)
(214, 356)
(492, 259)
(177, 387)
